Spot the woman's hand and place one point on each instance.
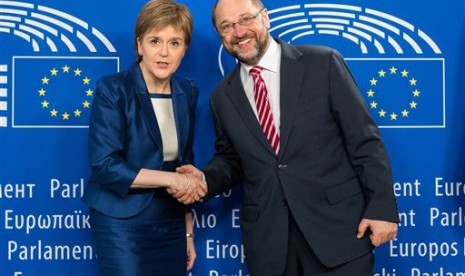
(191, 255)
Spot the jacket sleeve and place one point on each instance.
(364, 144)
(107, 140)
(224, 169)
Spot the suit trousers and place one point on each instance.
(302, 261)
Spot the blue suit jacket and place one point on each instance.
(124, 137)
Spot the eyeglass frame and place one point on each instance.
(243, 21)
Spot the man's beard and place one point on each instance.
(253, 59)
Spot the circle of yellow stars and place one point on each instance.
(65, 114)
(404, 112)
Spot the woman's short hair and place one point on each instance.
(158, 14)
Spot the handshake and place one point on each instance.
(195, 187)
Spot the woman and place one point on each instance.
(141, 129)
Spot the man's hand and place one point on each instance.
(195, 191)
(381, 231)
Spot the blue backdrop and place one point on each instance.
(407, 57)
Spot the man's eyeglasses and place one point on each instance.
(246, 20)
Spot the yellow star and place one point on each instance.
(53, 112)
(54, 72)
(65, 116)
(413, 81)
(393, 116)
(77, 113)
(404, 73)
(373, 81)
(393, 70)
(42, 92)
(89, 92)
(45, 80)
(405, 113)
(45, 104)
(65, 69)
(382, 113)
(416, 93)
(86, 80)
(77, 72)
(86, 104)
(370, 93)
(382, 73)
(413, 104)
(373, 105)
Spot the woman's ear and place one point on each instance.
(138, 47)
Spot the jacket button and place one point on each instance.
(282, 166)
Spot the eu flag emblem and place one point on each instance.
(55, 92)
(402, 93)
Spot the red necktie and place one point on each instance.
(265, 117)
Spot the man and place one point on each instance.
(317, 180)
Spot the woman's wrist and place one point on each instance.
(188, 181)
(182, 181)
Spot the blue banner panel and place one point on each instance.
(407, 58)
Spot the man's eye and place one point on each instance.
(244, 20)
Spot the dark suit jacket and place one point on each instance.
(332, 169)
(124, 137)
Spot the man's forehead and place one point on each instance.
(232, 9)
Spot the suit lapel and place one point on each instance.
(146, 105)
(181, 116)
(292, 75)
(237, 95)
